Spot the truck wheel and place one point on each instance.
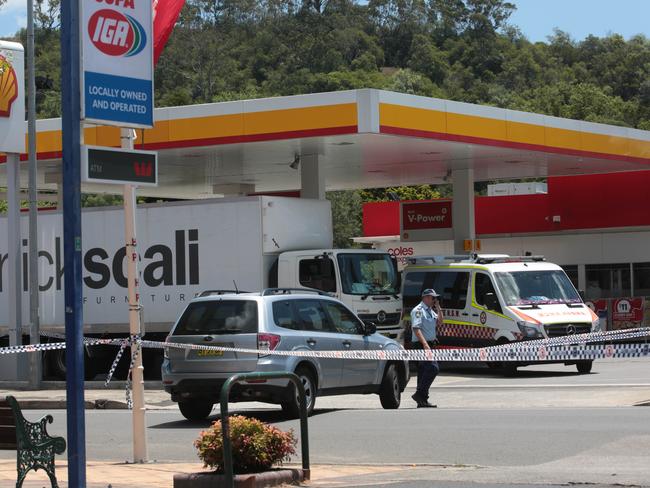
(584, 367)
(291, 407)
(57, 368)
(56, 364)
(195, 409)
(389, 391)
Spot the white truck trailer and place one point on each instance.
(248, 243)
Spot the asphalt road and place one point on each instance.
(490, 431)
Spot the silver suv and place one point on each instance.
(282, 320)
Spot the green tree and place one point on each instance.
(346, 217)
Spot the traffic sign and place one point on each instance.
(117, 62)
(119, 166)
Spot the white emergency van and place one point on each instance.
(497, 299)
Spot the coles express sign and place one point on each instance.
(117, 61)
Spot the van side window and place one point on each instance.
(482, 286)
(452, 285)
(318, 274)
(453, 288)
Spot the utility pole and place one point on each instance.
(135, 329)
(35, 370)
(72, 140)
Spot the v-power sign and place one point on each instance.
(117, 62)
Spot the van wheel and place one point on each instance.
(509, 369)
(291, 407)
(584, 367)
(195, 409)
(389, 391)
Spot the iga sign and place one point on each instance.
(117, 62)
(12, 98)
(425, 220)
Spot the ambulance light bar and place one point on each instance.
(474, 258)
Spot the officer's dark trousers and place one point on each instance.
(427, 372)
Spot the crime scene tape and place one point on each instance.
(561, 348)
(490, 354)
(600, 336)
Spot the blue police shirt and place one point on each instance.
(425, 319)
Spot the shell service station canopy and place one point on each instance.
(361, 138)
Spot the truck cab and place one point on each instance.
(367, 281)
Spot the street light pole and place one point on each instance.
(34, 323)
(137, 374)
(72, 140)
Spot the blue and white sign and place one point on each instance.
(117, 62)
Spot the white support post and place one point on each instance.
(312, 177)
(462, 208)
(139, 409)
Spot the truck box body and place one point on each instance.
(184, 247)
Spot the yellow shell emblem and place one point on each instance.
(8, 87)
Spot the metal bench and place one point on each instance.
(35, 449)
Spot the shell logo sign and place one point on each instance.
(8, 86)
(116, 34)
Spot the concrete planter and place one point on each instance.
(254, 480)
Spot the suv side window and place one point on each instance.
(482, 286)
(284, 316)
(317, 273)
(343, 320)
(311, 316)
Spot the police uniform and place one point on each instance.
(425, 319)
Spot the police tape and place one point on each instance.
(51, 346)
(599, 336)
(534, 353)
(565, 348)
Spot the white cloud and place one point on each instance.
(13, 16)
(14, 5)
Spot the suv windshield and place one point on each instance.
(536, 287)
(218, 317)
(368, 274)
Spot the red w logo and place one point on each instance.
(143, 169)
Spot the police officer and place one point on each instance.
(425, 318)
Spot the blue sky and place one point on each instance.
(536, 18)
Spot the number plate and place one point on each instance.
(202, 353)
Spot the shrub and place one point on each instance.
(256, 446)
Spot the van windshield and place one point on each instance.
(218, 317)
(536, 287)
(368, 274)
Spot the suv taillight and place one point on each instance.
(267, 342)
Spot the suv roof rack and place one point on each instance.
(208, 293)
(288, 291)
(474, 258)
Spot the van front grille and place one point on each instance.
(557, 330)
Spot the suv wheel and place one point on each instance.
(584, 367)
(195, 409)
(292, 406)
(389, 392)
